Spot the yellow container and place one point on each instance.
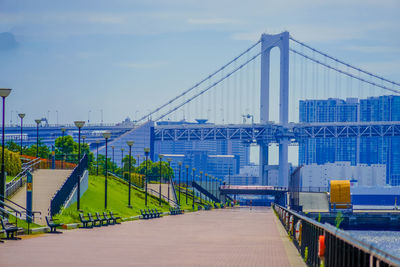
(340, 191)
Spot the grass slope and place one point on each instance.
(93, 200)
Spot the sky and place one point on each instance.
(78, 59)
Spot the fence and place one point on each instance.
(340, 249)
(19, 180)
(66, 189)
(47, 163)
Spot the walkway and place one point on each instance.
(229, 237)
(45, 185)
(164, 191)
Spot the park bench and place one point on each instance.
(95, 222)
(53, 224)
(151, 213)
(85, 222)
(103, 221)
(145, 215)
(114, 218)
(158, 214)
(109, 220)
(10, 229)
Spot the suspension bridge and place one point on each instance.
(280, 91)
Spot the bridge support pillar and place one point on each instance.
(263, 163)
(283, 163)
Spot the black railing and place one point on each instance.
(63, 194)
(19, 180)
(341, 249)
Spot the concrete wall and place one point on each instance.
(84, 187)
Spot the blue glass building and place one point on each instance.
(372, 150)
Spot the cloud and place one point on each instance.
(211, 21)
(7, 41)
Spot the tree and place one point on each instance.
(153, 169)
(125, 163)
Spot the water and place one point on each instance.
(388, 241)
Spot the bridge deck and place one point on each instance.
(230, 237)
(45, 185)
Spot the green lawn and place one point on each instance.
(188, 206)
(93, 200)
(9, 178)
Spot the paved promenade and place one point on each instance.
(230, 237)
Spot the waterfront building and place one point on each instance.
(319, 176)
(366, 150)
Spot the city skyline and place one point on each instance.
(102, 57)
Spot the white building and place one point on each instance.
(362, 174)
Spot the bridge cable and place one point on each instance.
(199, 83)
(346, 73)
(214, 84)
(344, 63)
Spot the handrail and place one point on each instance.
(162, 196)
(174, 191)
(122, 178)
(66, 189)
(24, 210)
(346, 237)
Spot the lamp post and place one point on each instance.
(97, 157)
(112, 147)
(146, 152)
(194, 170)
(129, 143)
(169, 178)
(138, 162)
(83, 141)
(21, 115)
(201, 176)
(160, 156)
(122, 157)
(37, 137)
(4, 92)
(187, 181)
(229, 176)
(179, 183)
(106, 136)
(62, 147)
(206, 176)
(79, 124)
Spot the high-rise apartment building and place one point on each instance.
(372, 150)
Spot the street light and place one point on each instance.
(229, 177)
(179, 183)
(37, 137)
(83, 140)
(106, 135)
(160, 156)
(122, 157)
(201, 176)
(206, 176)
(187, 181)
(169, 178)
(97, 157)
(4, 92)
(112, 147)
(130, 144)
(21, 115)
(79, 124)
(146, 152)
(194, 170)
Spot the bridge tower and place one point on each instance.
(267, 43)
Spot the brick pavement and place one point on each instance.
(230, 237)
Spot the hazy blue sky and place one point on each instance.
(122, 56)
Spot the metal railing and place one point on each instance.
(19, 180)
(156, 194)
(341, 249)
(63, 194)
(174, 191)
